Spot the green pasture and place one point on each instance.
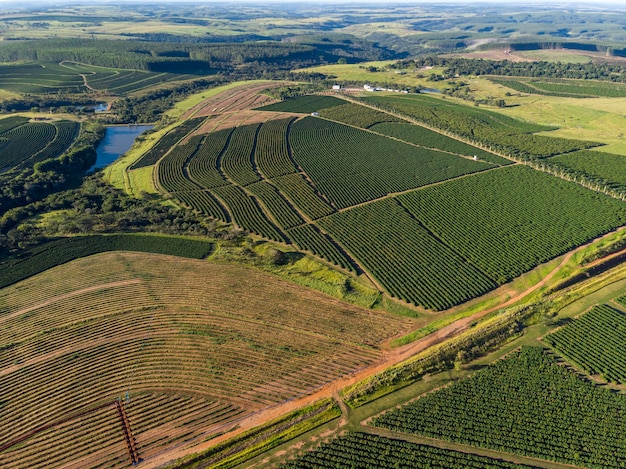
(359, 73)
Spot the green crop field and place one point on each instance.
(202, 166)
(61, 251)
(595, 342)
(352, 166)
(304, 104)
(358, 116)
(26, 143)
(272, 152)
(528, 405)
(71, 77)
(166, 143)
(12, 122)
(496, 131)
(606, 168)
(373, 451)
(507, 221)
(190, 346)
(430, 139)
(564, 88)
(348, 195)
(409, 262)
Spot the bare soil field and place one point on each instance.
(232, 108)
(191, 348)
(234, 99)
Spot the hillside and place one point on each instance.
(191, 347)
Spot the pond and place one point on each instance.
(117, 141)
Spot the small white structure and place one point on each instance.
(315, 114)
(336, 87)
(475, 158)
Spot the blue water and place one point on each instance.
(117, 141)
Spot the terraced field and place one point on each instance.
(72, 77)
(24, 143)
(382, 199)
(188, 346)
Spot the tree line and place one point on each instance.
(196, 58)
(462, 67)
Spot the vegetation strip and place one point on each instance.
(372, 451)
(64, 250)
(263, 438)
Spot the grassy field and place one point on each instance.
(598, 119)
(360, 73)
(189, 357)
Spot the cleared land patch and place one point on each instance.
(238, 98)
(195, 345)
